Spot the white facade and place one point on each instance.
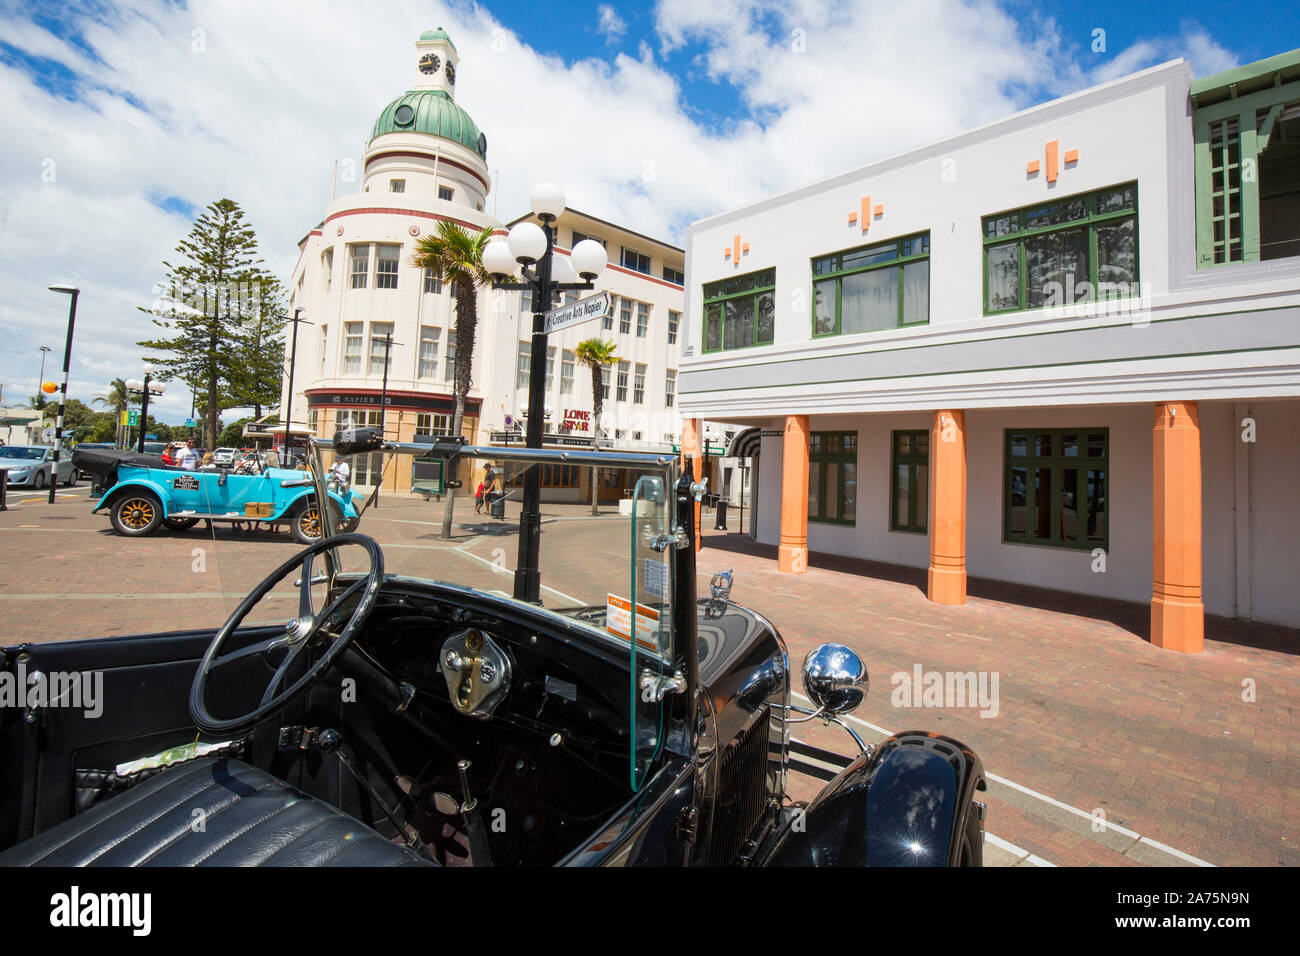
(1225, 337)
(354, 281)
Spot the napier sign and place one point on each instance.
(595, 307)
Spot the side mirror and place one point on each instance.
(835, 678)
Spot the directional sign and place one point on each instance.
(189, 423)
(584, 310)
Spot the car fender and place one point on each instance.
(122, 487)
(345, 507)
(906, 802)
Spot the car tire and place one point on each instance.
(304, 524)
(136, 514)
(73, 478)
(179, 524)
(39, 481)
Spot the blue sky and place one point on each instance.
(123, 118)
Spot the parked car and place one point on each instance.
(605, 715)
(32, 466)
(143, 494)
(224, 456)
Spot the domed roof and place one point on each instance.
(438, 34)
(432, 112)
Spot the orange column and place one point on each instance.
(1177, 612)
(946, 581)
(691, 449)
(792, 553)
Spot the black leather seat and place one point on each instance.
(249, 818)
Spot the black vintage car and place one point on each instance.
(381, 717)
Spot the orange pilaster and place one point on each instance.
(792, 552)
(691, 449)
(1177, 612)
(946, 581)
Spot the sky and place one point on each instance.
(122, 120)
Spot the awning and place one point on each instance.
(745, 444)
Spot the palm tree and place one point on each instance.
(596, 354)
(455, 256)
(117, 398)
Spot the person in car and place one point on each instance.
(169, 454)
(187, 457)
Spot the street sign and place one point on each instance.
(189, 423)
(584, 310)
(131, 418)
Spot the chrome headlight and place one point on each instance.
(834, 678)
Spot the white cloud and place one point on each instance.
(610, 24)
(278, 92)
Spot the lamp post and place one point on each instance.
(383, 407)
(45, 349)
(63, 389)
(531, 246)
(288, 400)
(146, 388)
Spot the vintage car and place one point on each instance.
(141, 494)
(376, 715)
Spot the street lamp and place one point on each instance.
(288, 399)
(146, 388)
(72, 291)
(45, 349)
(531, 246)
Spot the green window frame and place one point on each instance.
(1098, 225)
(1230, 139)
(739, 312)
(909, 485)
(1050, 473)
(833, 477)
(899, 268)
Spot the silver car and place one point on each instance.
(224, 456)
(32, 466)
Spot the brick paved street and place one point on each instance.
(1090, 716)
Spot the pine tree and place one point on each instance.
(218, 308)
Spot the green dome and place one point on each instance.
(438, 34)
(432, 112)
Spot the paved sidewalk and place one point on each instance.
(1160, 746)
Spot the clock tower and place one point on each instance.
(436, 62)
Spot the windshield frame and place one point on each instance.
(449, 450)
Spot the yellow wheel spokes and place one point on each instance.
(137, 513)
(310, 523)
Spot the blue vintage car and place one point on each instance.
(143, 493)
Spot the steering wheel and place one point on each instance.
(304, 632)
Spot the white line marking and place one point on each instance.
(498, 568)
(1186, 857)
(1024, 855)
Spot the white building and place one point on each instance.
(1062, 350)
(426, 161)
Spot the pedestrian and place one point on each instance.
(341, 474)
(187, 457)
(478, 499)
(207, 459)
(169, 454)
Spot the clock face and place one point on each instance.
(451, 74)
(429, 63)
(482, 145)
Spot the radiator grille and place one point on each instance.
(742, 791)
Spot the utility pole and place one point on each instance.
(288, 400)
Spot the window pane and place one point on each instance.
(1054, 266)
(872, 254)
(902, 513)
(1043, 446)
(766, 331)
(1017, 521)
(1069, 507)
(745, 321)
(729, 324)
(1096, 492)
(1054, 214)
(1002, 225)
(814, 485)
(1003, 277)
(1096, 444)
(1116, 258)
(921, 492)
(1070, 446)
(1019, 444)
(848, 491)
(1042, 523)
(713, 327)
(824, 307)
(903, 443)
(916, 291)
(869, 301)
(1116, 199)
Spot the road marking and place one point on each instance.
(1060, 805)
(1024, 855)
(496, 567)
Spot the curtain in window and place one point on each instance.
(869, 301)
